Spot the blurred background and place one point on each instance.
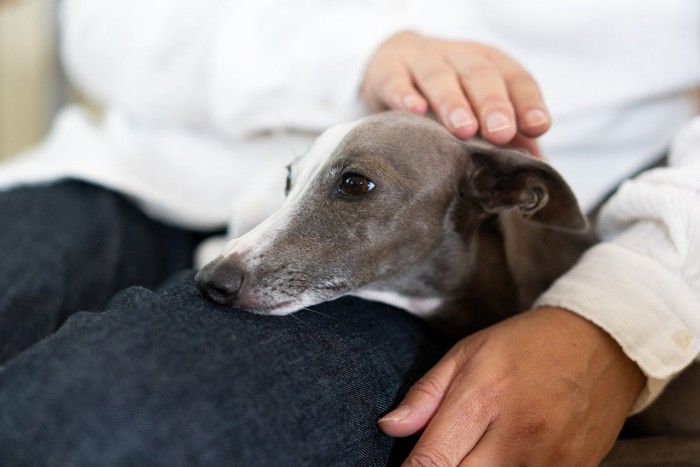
(32, 86)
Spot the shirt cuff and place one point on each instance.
(635, 300)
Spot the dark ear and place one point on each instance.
(502, 179)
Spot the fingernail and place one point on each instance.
(411, 102)
(536, 117)
(459, 118)
(497, 121)
(396, 415)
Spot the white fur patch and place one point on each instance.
(423, 307)
(306, 169)
(308, 166)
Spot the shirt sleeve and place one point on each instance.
(237, 67)
(642, 284)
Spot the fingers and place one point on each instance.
(404, 96)
(422, 400)
(398, 93)
(504, 96)
(529, 144)
(491, 452)
(438, 82)
(516, 401)
(388, 83)
(471, 88)
(488, 95)
(444, 404)
(526, 97)
(455, 429)
(455, 413)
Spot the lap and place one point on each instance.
(70, 246)
(168, 378)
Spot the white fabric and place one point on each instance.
(642, 284)
(180, 175)
(205, 99)
(204, 96)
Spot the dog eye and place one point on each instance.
(355, 185)
(288, 186)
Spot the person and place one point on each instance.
(191, 111)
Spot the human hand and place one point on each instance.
(545, 387)
(470, 88)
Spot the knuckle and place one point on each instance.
(484, 406)
(479, 68)
(395, 86)
(435, 74)
(387, 83)
(498, 56)
(565, 454)
(429, 387)
(492, 101)
(384, 90)
(535, 427)
(519, 76)
(427, 457)
(525, 92)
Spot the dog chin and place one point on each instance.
(273, 309)
(286, 307)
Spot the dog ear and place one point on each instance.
(503, 179)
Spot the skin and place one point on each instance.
(471, 88)
(545, 387)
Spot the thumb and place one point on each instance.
(422, 400)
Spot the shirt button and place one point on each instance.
(682, 339)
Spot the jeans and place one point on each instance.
(111, 357)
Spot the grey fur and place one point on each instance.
(483, 229)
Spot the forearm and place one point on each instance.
(643, 285)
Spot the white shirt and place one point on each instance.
(203, 97)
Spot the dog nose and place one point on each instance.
(220, 280)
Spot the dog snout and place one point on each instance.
(220, 280)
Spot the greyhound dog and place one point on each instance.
(393, 208)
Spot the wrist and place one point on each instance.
(599, 352)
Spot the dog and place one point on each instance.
(395, 209)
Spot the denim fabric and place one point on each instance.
(69, 247)
(168, 378)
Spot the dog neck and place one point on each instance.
(465, 285)
(482, 274)
(487, 289)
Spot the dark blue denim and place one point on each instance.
(168, 378)
(69, 247)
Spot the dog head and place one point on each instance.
(373, 208)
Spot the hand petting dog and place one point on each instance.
(471, 88)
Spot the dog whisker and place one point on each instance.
(298, 319)
(319, 313)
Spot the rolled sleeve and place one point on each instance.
(637, 303)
